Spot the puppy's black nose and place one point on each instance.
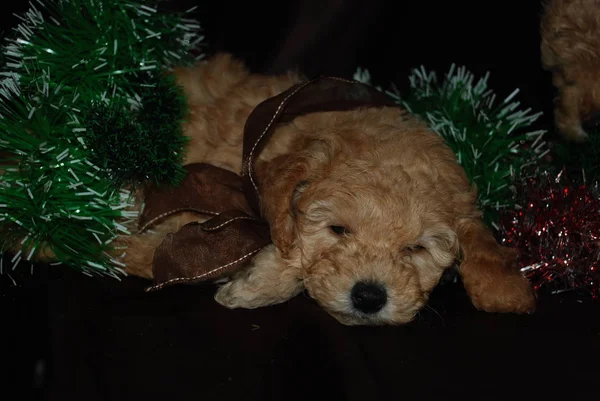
(591, 124)
(368, 297)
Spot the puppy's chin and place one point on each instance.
(358, 319)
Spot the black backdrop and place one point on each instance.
(96, 340)
(387, 37)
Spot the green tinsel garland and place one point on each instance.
(488, 137)
(82, 87)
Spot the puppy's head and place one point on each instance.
(365, 208)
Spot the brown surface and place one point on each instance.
(112, 341)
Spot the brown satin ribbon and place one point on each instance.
(220, 245)
(228, 241)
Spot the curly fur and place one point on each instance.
(570, 46)
(406, 204)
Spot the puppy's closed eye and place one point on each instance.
(339, 230)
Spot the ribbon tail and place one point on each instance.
(207, 251)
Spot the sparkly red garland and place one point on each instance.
(557, 230)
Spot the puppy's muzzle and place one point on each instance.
(368, 298)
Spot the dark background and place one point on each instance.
(333, 37)
(95, 339)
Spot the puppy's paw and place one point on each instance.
(505, 294)
(226, 296)
(239, 293)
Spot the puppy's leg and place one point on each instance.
(489, 272)
(268, 280)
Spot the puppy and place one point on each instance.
(570, 46)
(367, 208)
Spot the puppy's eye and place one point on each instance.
(339, 230)
(413, 248)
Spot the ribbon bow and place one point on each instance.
(227, 242)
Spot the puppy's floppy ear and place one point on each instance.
(442, 243)
(489, 271)
(281, 180)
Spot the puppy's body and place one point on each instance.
(570, 47)
(366, 207)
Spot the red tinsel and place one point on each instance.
(557, 231)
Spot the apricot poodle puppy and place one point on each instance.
(367, 208)
(570, 46)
